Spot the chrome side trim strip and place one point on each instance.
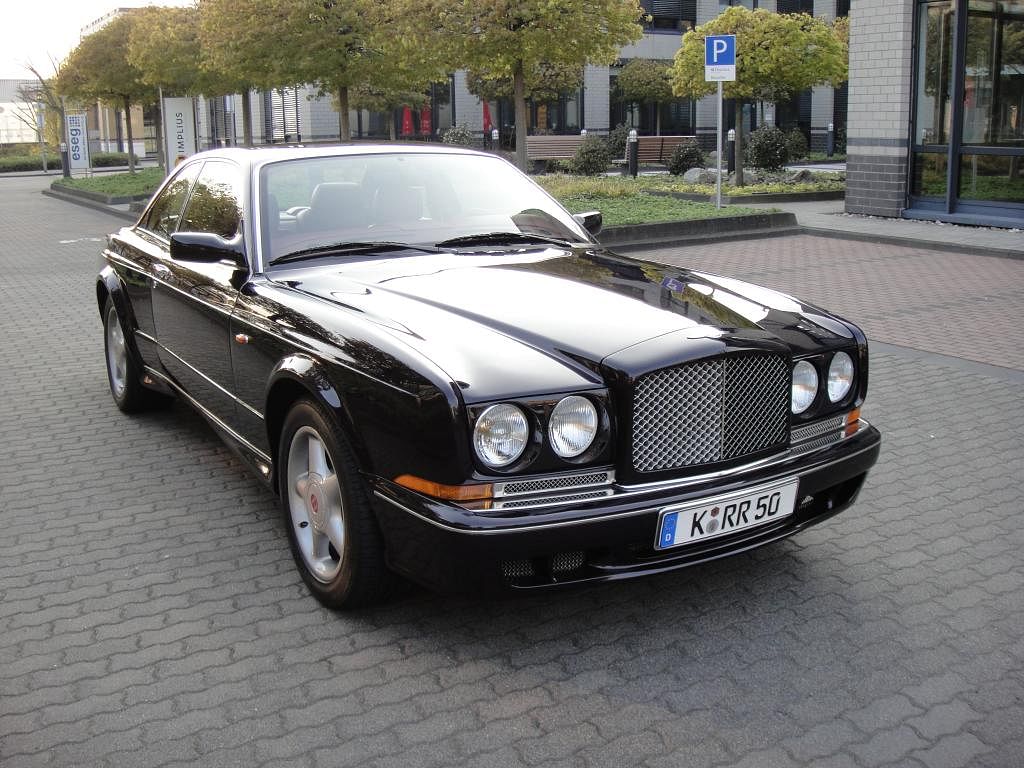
(211, 381)
(209, 416)
(566, 523)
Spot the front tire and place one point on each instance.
(324, 501)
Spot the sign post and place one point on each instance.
(78, 142)
(720, 67)
(179, 130)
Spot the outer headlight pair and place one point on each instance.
(805, 381)
(502, 431)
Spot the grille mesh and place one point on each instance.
(554, 483)
(709, 411)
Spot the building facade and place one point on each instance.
(936, 110)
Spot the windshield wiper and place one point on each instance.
(485, 238)
(354, 247)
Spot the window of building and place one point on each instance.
(968, 132)
(670, 15)
(796, 6)
(750, 4)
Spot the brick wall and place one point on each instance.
(881, 44)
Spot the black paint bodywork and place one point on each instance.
(404, 348)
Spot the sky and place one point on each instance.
(36, 31)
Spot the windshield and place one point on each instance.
(413, 198)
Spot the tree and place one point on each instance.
(777, 55)
(646, 81)
(543, 85)
(377, 99)
(241, 47)
(508, 39)
(98, 69)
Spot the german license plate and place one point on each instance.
(725, 514)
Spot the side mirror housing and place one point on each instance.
(207, 247)
(591, 221)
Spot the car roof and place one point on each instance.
(256, 156)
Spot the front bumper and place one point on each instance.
(449, 548)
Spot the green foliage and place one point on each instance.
(109, 159)
(544, 84)
(99, 68)
(144, 182)
(767, 148)
(777, 55)
(15, 163)
(459, 135)
(562, 186)
(592, 157)
(796, 145)
(645, 81)
(509, 39)
(684, 157)
(617, 138)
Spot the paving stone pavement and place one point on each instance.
(150, 614)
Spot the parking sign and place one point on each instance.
(720, 58)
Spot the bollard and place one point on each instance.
(730, 153)
(65, 163)
(632, 154)
(830, 140)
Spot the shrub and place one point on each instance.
(24, 163)
(459, 135)
(592, 157)
(766, 148)
(684, 157)
(796, 145)
(841, 140)
(617, 137)
(109, 159)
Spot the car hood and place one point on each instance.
(576, 308)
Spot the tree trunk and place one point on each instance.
(738, 180)
(657, 119)
(344, 131)
(519, 94)
(247, 117)
(392, 132)
(128, 131)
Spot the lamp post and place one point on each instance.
(632, 153)
(732, 150)
(494, 139)
(830, 140)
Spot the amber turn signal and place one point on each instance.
(852, 422)
(471, 492)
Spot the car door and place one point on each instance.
(139, 248)
(193, 300)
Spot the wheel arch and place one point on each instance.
(297, 377)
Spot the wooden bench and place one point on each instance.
(658, 149)
(553, 147)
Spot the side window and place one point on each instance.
(215, 203)
(163, 215)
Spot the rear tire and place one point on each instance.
(332, 531)
(124, 374)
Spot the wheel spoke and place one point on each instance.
(317, 456)
(335, 527)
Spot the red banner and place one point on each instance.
(487, 118)
(406, 121)
(425, 123)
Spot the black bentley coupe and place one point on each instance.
(442, 373)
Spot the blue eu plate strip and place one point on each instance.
(668, 529)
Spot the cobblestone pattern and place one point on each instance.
(955, 304)
(150, 614)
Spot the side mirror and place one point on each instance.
(207, 247)
(591, 221)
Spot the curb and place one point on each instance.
(93, 204)
(97, 197)
(905, 242)
(634, 235)
(778, 197)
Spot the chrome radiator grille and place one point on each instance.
(710, 411)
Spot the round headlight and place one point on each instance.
(805, 386)
(500, 435)
(573, 426)
(840, 376)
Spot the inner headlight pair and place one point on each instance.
(805, 381)
(502, 432)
